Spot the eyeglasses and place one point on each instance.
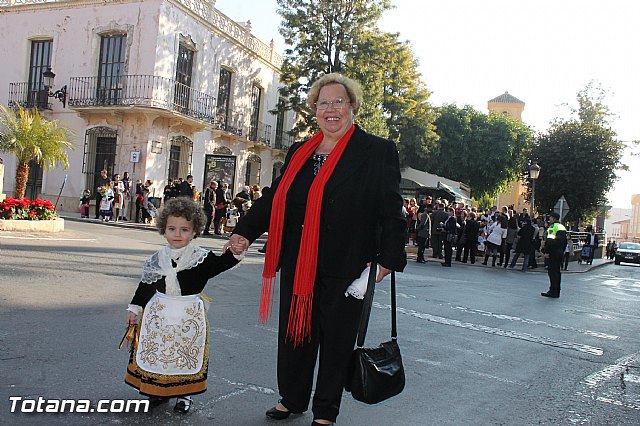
(337, 104)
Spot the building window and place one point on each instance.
(256, 97)
(113, 49)
(277, 170)
(279, 143)
(252, 175)
(224, 96)
(184, 69)
(40, 60)
(180, 157)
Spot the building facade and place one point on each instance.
(156, 88)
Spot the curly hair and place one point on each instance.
(351, 86)
(182, 207)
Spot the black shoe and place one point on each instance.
(155, 401)
(276, 414)
(447, 265)
(183, 404)
(206, 233)
(262, 251)
(421, 261)
(547, 294)
(314, 423)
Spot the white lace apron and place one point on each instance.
(173, 335)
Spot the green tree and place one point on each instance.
(579, 158)
(30, 137)
(320, 34)
(484, 151)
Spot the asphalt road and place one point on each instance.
(480, 345)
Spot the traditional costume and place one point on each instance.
(171, 354)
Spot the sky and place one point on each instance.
(541, 51)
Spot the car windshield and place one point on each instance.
(630, 246)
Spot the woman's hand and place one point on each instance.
(237, 244)
(132, 318)
(383, 272)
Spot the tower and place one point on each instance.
(513, 107)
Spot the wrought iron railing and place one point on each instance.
(228, 121)
(283, 142)
(260, 132)
(28, 96)
(142, 90)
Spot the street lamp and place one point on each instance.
(534, 172)
(61, 94)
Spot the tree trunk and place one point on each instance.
(22, 173)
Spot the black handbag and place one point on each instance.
(376, 374)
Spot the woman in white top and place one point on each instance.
(495, 233)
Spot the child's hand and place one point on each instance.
(131, 318)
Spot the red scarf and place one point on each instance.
(299, 326)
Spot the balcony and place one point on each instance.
(28, 96)
(283, 142)
(142, 91)
(260, 132)
(228, 121)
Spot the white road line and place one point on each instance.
(497, 331)
(594, 380)
(536, 322)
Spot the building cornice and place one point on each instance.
(202, 10)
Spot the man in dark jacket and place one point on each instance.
(524, 245)
(451, 235)
(438, 217)
(185, 189)
(471, 229)
(423, 232)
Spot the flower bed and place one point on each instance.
(26, 209)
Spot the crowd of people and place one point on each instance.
(112, 197)
(500, 235)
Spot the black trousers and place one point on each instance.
(448, 252)
(469, 249)
(505, 254)
(422, 244)
(334, 328)
(555, 262)
(98, 200)
(209, 215)
(436, 244)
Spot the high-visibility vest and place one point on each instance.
(553, 230)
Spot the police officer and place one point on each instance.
(554, 250)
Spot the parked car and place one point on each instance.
(628, 252)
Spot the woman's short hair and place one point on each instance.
(351, 86)
(182, 207)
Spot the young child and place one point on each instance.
(171, 355)
(106, 202)
(84, 203)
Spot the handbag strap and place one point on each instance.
(368, 302)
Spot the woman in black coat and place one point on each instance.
(471, 229)
(524, 244)
(319, 250)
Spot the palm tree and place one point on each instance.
(30, 137)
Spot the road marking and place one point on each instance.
(536, 322)
(497, 331)
(609, 386)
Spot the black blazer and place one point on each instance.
(366, 179)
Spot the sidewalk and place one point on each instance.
(75, 217)
(574, 267)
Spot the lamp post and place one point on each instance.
(60, 94)
(534, 172)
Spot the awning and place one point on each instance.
(455, 192)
